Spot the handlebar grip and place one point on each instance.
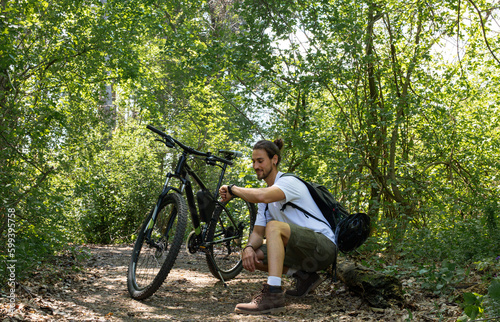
(154, 129)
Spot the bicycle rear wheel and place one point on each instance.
(228, 232)
(156, 247)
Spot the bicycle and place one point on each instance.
(220, 229)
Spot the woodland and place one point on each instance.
(394, 105)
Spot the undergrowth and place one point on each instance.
(458, 261)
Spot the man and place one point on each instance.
(296, 244)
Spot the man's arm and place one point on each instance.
(256, 238)
(249, 256)
(253, 195)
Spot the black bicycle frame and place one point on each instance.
(182, 172)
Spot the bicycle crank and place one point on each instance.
(193, 243)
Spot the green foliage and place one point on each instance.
(440, 279)
(40, 231)
(115, 191)
(462, 242)
(473, 305)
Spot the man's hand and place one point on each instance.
(224, 194)
(249, 258)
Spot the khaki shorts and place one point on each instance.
(307, 250)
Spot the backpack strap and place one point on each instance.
(306, 213)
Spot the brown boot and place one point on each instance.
(264, 303)
(304, 283)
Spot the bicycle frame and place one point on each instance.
(182, 172)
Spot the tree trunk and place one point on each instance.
(109, 108)
(379, 290)
(374, 127)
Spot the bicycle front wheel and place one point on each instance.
(228, 232)
(157, 246)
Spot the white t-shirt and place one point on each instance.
(296, 192)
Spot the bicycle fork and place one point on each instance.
(148, 230)
(149, 227)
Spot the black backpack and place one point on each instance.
(351, 231)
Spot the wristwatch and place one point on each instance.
(230, 189)
(249, 245)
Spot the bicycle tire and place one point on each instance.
(225, 256)
(153, 259)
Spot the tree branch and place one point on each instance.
(484, 31)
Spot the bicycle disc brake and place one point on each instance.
(160, 245)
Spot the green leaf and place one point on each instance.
(472, 311)
(469, 298)
(494, 290)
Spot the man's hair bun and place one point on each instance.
(279, 143)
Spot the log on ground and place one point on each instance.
(379, 290)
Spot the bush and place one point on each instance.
(462, 242)
(118, 189)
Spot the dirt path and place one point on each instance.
(190, 293)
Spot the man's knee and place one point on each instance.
(277, 229)
(275, 226)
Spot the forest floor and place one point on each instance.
(97, 291)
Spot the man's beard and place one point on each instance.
(264, 174)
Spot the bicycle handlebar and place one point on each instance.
(190, 150)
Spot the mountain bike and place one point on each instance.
(221, 230)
